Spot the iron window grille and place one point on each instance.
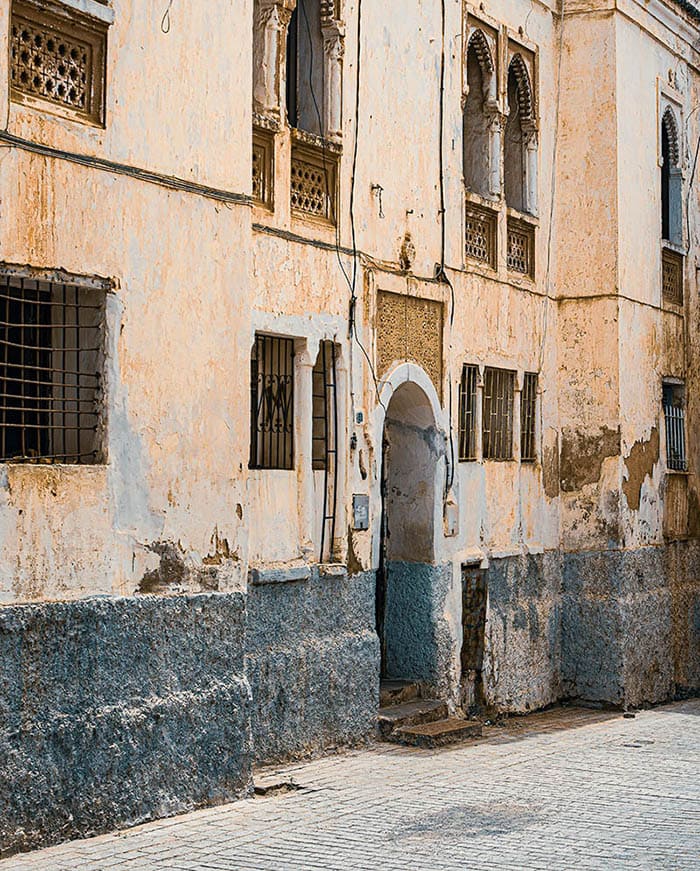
(468, 397)
(313, 181)
(325, 438)
(528, 409)
(51, 352)
(674, 416)
(58, 60)
(272, 403)
(499, 388)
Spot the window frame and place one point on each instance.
(48, 282)
(269, 407)
(495, 448)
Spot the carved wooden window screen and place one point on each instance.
(528, 409)
(272, 403)
(57, 60)
(263, 168)
(313, 183)
(672, 276)
(480, 235)
(521, 244)
(468, 397)
(497, 430)
(51, 360)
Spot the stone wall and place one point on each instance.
(521, 669)
(631, 624)
(116, 711)
(312, 661)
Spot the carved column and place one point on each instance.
(496, 126)
(531, 182)
(333, 49)
(269, 51)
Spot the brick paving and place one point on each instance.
(567, 789)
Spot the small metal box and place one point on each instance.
(360, 511)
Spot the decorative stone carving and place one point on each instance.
(333, 49)
(271, 22)
(410, 328)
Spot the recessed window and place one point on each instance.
(272, 403)
(499, 388)
(673, 399)
(324, 407)
(528, 408)
(51, 347)
(468, 398)
(58, 60)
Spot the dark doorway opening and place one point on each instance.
(473, 637)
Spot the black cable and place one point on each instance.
(351, 282)
(442, 274)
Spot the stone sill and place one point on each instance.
(279, 575)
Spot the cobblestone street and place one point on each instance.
(564, 789)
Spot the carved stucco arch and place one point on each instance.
(669, 122)
(526, 103)
(480, 44)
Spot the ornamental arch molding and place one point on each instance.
(669, 122)
(526, 102)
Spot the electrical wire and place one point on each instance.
(350, 280)
(442, 274)
(165, 20)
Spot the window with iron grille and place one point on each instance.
(324, 405)
(480, 235)
(467, 412)
(272, 403)
(499, 388)
(59, 59)
(528, 409)
(51, 351)
(674, 415)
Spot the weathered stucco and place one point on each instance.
(590, 551)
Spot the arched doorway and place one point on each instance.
(408, 579)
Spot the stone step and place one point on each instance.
(436, 734)
(396, 692)
(409, 714)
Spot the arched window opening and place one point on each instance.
(514, 162)
(306, 69)
(671, 192)
(477, 119)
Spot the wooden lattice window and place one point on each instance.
(59, 60)
(313, 182)
(528, 421)
(499, 390)
(521, 245)
(263, 167)
(672, 276)
(480, 235)
(272, 403)
(51, 351)
(468, 398)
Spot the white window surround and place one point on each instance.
(93, 8)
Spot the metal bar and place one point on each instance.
(335, 443)
(322, 355)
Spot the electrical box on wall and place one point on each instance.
(360, 511)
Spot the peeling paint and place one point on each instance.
(582, 456)
(640, 465)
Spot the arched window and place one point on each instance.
(520, 149)
(306, 68)
(671, 182)
(478, 117)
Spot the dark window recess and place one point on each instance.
(272, 403)
(674, 416)
(498, 414)
(51, 355)
(467, 413)
(528, 410)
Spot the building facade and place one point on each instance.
(336, 344)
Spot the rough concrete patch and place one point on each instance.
(640, 465)
(354, 564)
(550, 469)
(469, 821)
(582, 456)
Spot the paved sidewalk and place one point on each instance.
(568, 789)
